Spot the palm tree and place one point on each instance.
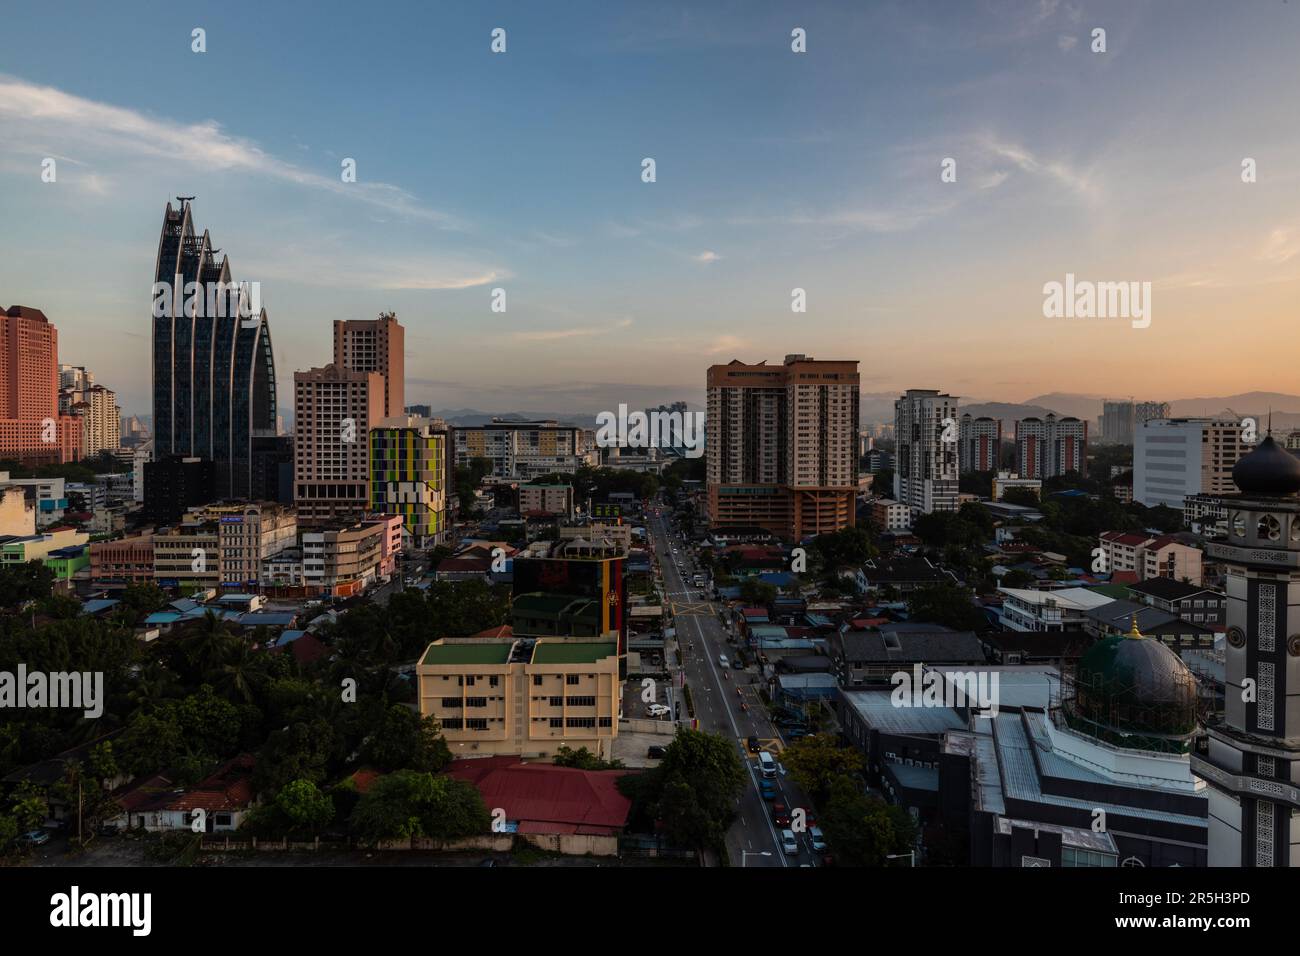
(242, 673)
(209, 644)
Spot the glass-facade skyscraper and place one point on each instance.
(213, 368)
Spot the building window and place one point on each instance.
(475, 701)
(557, 721)
(537, 680)
(571, 679)
(581, 701)
(557, 701)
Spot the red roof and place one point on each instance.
(544, 798)
(230, 787)
(1124, 577)
(307, 649)
(1122, 537)
(364, 778)
(501, 630)
(451, 565)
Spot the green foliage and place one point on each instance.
(863, 830)
(947, 604)
(409, 803)
(304, 806)
(757, 593)
(1020, 496)
(20, 583)
(846, 548)
(817, 760)
(405, 741)
(693, 791)
(584, 759)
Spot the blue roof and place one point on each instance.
(163, 617)
(287, 637)
(267, 618)
(779, 578)
(98, 605)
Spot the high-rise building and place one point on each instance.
(173, 485)
(1049, 447)
(32, 430)
(1120, 419)
(980, 443)
(333, 411)
(375, 345)
(1253, 760)
(411, 475)
(926, 434)
(525, 450)
(213, 366)
(1177, 457)
(99, 414)
(782, 445)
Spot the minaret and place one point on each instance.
(1253, 763)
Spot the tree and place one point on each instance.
(863, 830)
(693, 791)
(757, 593)
(20, 583)
(1017, 578)
(848, 547)
(304, 806)
(584, 759)
(409, 803)
(816, 761)
(947, 604)
(402, 740)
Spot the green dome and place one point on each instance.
(1128, 686)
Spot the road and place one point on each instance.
(717, 706)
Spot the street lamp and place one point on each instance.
(911, 856)
(746, 854)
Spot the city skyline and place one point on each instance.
(818, 171)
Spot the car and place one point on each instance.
(34, 838)
(788, 844)
(656, 753)
(722, 661)
(754, 745)
(818, 838)
(657, 710)
(737, 665)
(767, 788)
(489, 862)
(796, 733)
(780, 814)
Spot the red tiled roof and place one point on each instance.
(1124, 577)
(544, 798)
(501, 630)
(364, 778)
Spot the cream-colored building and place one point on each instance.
(518, 696)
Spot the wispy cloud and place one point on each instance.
(85, 126)
(577, 332)
(707, 256)
(1055, 170)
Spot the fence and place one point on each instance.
(569, 844)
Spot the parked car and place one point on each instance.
(788, 844)
(657, 710)
(818, 838)
(754, 745)
(738, 664)
(33, 838)
(656, 753)
(722, 660)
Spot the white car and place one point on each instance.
(657, 710)
(788, 844)
(818, 839)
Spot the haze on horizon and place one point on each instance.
(775, 170)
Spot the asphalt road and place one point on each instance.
(717, 706)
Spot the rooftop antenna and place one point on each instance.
(184, 199)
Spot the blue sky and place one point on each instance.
(775, 170)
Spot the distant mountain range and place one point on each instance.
(879, 407)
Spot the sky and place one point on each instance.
(774, 170)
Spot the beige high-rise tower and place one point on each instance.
(333, 411)
(782, 445)
(375, 345)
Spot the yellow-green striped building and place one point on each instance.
(411, 475)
